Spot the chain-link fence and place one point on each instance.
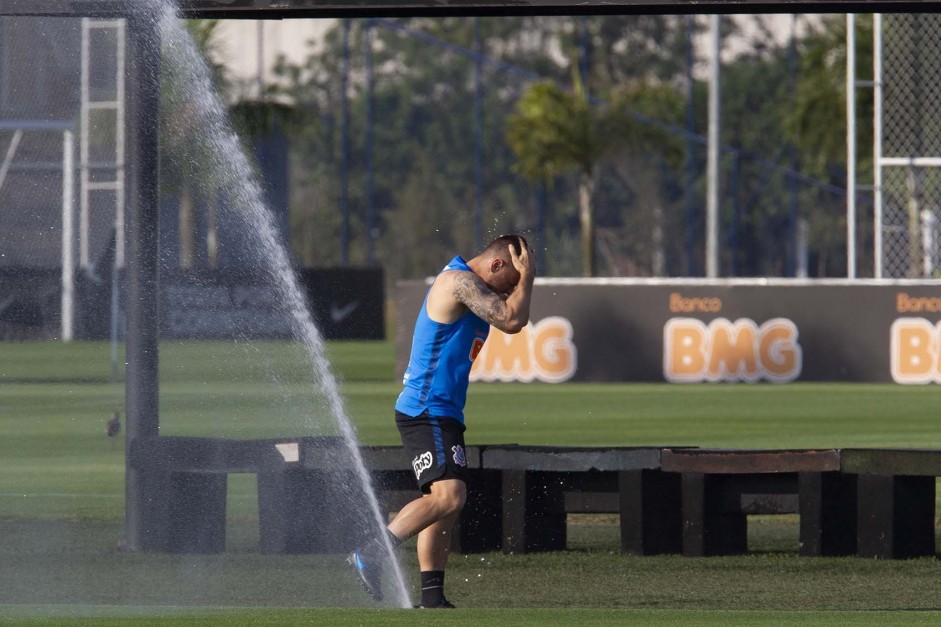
(911, 145)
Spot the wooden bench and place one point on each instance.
(518, 498)
(309, 497)
(185, 481)
(871, 502)
(539, 485)
(315, 506)
(896, 500)
(720, 488)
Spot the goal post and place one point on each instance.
(19, 128)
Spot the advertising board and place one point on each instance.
(346, 303)
(684, 331)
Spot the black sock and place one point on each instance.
(432, 587)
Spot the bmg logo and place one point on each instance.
(731, 351)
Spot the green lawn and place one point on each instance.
(55, 399)
(459, 618)
(61, 497)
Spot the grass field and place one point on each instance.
(61, 498)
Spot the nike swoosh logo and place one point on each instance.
(339, 314)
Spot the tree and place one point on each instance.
(817, 121)
(644, 165)
(554, 131)
(425, 135)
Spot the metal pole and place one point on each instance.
(142, 261)
(791, 255)
(915, 250)
(345, 147)
(736, 216)
(68, 235)
(260, 75)
(541, 229)
(877, 145)
(370, 209)
(84, 200)
(115, 312)
(802, 228)
(690, 150)
(119, 199)
(850, 146)
(478, 138)
(120, 146)
(712, 166)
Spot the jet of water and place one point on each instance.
(236, 178)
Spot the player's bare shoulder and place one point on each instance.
(443, 305)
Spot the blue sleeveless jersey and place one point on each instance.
(439, 366)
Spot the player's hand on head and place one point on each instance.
(524, 262)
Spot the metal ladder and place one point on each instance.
(116, 105)
(89, 105)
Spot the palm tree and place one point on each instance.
(816, 122)
(554, 131)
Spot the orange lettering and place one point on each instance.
(684, 342)
(554, 351)
(916, 304)
(543, 350)
(780, 354)
(730, 351)
(508, 356)
(680, 304)
(732, 354)
(914, 351)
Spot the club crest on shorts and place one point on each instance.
(459, 457)
(421, 463)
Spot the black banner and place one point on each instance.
(346, 303)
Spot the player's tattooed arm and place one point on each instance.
(470, 289)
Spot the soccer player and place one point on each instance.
(467, 297)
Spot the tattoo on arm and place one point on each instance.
(484, 302)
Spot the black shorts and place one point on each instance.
(435, 448)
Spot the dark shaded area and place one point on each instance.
(29, 303)
(279, 9)
(233, 303)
